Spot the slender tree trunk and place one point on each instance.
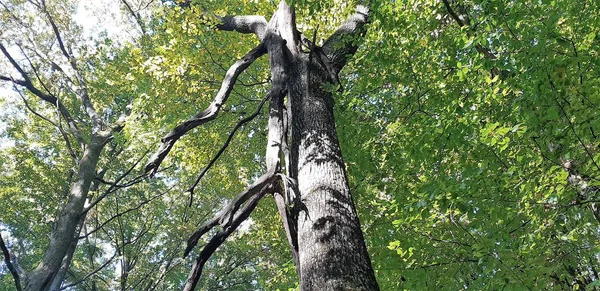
(65, 227)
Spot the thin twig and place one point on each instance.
(91, 274)
(220, 152)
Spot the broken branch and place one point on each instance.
(210, 113)
(267, 186)
(227, 214)
(229, 138)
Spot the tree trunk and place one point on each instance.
(62, 273)
(65, 227)
(331, 250)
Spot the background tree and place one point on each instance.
(63, 161)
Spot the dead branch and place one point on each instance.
(209, 114)
(229, 138)
(341, 45)
(466, 22)
(226, 216)
(255, 24)
(267, 186)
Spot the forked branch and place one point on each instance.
(342, 44)
(47, 97)
(226, 216)
(207, 115)
(466, 22)
(266, 184)
(227, 142)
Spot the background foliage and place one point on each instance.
(472, 151)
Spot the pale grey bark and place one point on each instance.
(66, 264)
(209, 114)
(66, 224)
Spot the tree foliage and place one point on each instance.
(469, 130)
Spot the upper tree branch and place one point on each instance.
(83, 92)
(61, 44)
(135, 15)
(208, 114)
(9, 265)
(243, 24)
(342, 45)
(27, 83)
(229, 138)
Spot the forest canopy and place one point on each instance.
(469, 132)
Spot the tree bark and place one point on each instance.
(331, 248)
(64, 231)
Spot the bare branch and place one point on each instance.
(243, 24)
(207, 115)
(92, 273)
(34, 69)
(484, 51)
(229, 138)
(340, 46)
(267, 186)
(31, 109)
(9, 265)
(227, 214)
(453, 13)
(125, 212)
(61, 44)
(135, 15)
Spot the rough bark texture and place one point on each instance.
(332, 251)
(331, 247)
